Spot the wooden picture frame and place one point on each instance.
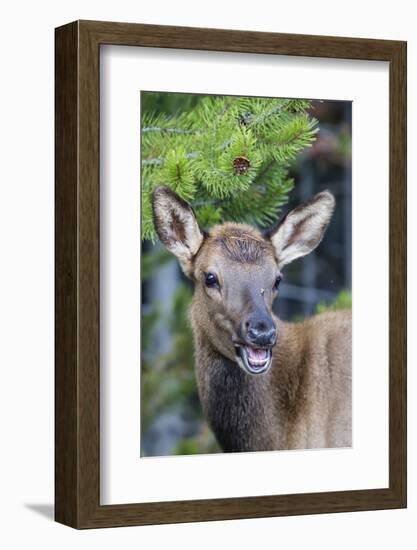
(77, 374)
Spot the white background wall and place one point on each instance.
(26, 272)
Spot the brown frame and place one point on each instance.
(77, 406)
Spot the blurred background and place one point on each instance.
(171, 416)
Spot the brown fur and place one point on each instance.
(304, 399)
(241, 243)
(302, 402)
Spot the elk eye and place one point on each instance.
(277, 281)
(211, 280)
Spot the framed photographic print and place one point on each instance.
(230, 274)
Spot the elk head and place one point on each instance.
(237, 271)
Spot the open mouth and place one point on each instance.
(255, 360)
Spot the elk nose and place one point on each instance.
(261, 331)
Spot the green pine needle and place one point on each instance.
(227, 156)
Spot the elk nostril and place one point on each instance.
(261, 333)
(252, 333)
(272, 334)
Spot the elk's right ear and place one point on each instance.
(176, 226)
(303, 228)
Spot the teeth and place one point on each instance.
(257, 356)
(255, 360)
(252, 362)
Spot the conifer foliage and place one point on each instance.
(229, 157)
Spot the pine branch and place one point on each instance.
(167, 130)
(228, 157)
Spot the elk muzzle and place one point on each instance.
(259, 335)
(260, 331)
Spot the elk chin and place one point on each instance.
(254, 360)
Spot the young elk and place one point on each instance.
(264, 384)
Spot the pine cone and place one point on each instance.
(241, 165)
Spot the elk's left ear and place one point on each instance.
(303, 228)
(176, 226)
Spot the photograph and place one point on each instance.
(209, 222)
(246, 274)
